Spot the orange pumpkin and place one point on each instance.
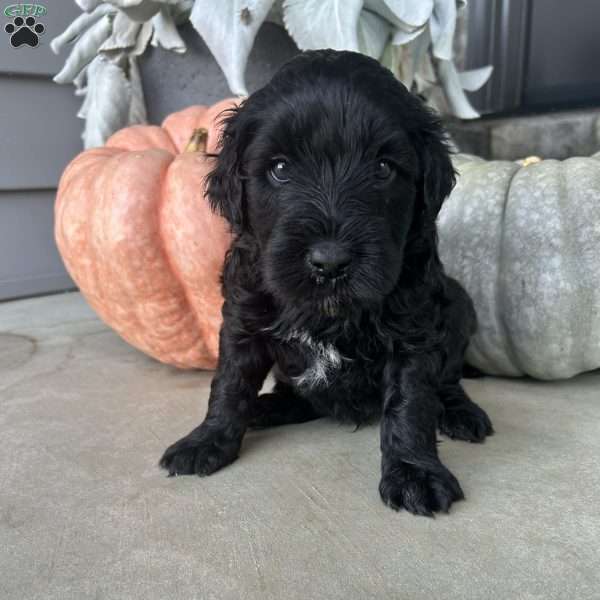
(140, 240)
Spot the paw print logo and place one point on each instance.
(24, 31)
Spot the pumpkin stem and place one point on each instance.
(197, 142)
(530, 160)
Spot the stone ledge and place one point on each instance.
(550, 135)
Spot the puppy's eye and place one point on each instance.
(385, 170)
(279, 171)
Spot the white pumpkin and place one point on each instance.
(524, 240)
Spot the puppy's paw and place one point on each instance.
(466, 422)
(202, 452)
(419, 491)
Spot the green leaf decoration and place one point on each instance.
(472, 80)
(229, 29)
(78, 26)
(108, 102)
(85, 50)
(406, 15)
(442, 26)
(317, 24)
(373, 34)
(165, 32)
(137, 10)
(413, 38)
(459, 105)
(124, 34)
(88, 5)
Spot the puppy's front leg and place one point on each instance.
(412, 476)
(243, 366)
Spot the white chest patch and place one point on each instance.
(325, 360)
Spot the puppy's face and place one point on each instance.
(330, 194)
(330, 175)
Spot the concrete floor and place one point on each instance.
(85, 512)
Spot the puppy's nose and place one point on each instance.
(328, 259)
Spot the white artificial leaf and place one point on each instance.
(373, 34)
(125, 4)
(140, 10)
(406, 15)
(414, 56)
(137, 108)
(425, 77)
(88, 5)
(124, 33)
(402, 37)
(143, 39)
(419, 54)
(142, 13)
(84, 109)
(81, 23)
(389, 57)
(457, 101)
(315, 24)
(108, 102)
(84, 50)
(474, 79)
(442, 26)
(165, 32)
(229, 29)
(80, 83)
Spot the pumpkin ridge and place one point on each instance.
(165, 252)
(104, 183)
(99, 187)
(68, 193)
(101, 190)
(159, 353)
(561, 175)
(109, 173)
(586, 350)
(511, 351)
(171, 139)
(138, 138)
(578, 357)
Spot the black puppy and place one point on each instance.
(332, 177)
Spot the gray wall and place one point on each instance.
(39, 134)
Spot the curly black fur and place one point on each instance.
(366, 169)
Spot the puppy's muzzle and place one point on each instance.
(328, 260)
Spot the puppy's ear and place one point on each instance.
(225, 187)
(437, 173)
